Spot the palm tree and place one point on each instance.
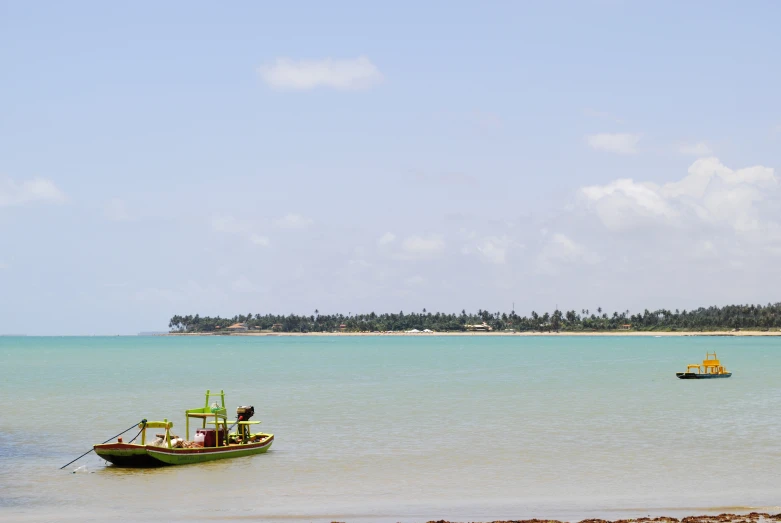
(556, 320)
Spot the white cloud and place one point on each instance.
(695, 149)
(292, 221)
(349, 74)
(561, 250)
(257, 239)
(418, 247)
(386, 238)
(711, 194)
(623, 203)
(491, 249)
(621, 143)
(494, 249)
(35, 190)
(116, 210)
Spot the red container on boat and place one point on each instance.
(209, 436)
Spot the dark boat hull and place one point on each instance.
(696, 376)
(127, 455)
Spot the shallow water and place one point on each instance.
(398, 428)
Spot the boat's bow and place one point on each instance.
(131, 454)
(126, 455)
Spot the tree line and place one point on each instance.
(752, 317)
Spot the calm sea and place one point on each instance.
(398, 428)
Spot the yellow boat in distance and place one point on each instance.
(711, 367)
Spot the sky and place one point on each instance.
(255, 157)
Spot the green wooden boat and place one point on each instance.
(208, 444)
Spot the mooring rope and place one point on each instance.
(237, 420)
(143, 423)
(143, 426)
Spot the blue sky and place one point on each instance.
(189, 157)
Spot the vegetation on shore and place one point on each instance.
(753, 317)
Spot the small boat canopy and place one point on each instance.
(157, 425)
(165, 424)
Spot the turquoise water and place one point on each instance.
(398, 428)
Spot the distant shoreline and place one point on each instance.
(488, 334)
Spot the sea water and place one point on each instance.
(397, 428)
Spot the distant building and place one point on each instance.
(625, 327)
(482, 327)
(276, 327)
(342, 327)
(238, 327)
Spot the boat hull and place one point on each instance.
(127, 455)
(696, 376)
(148, 456)
(201, 455)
